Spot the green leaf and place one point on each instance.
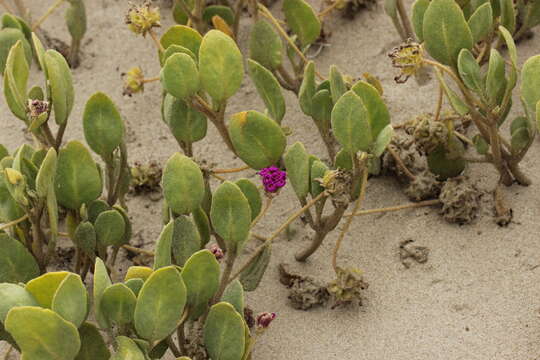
(234, 295)
(186, 124)
(85, 239)
(93, 346)
(201, 276)
(13, 295)
(163, 252)
(61, 85)
(510, 44)
(481, 22)
(302, 20)
(530, 83)
(444, 163)
(220, 65)
(350, 123)
(257, 139)
(46, 174)
(495, 78)
(127, 350)
(70, 300)
(15, 77)
(382, 141)
(183, 36)
(269, 90)
(508, 15)
(445, 31)
(76, 19)
(42, 334)
(321, 107)
(418, 10)
(224, 333)
(118, 304)
(307, 89)
(222, 11)
(160, 304)
(8, 38)
(176, 49)
(101, 282)
(17, 265)
(469, 71)
(265, 45)
(179, 76)
(103, 125)
(379, 116)
(251, 192)
(298, 167)
(135, 285)
(337, 84)
(481, 145)
(318, 170)
(522, 134)
(110, 228)
(77, 177)
(203, 225)
(138, 272)
(251, 277)
(183, 184)
(231, 215)
(185, 240)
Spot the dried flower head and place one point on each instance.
(264, 319)
(217, 251)
(338, 184)
(408, 58)
(133, 81)
(142, 18)
(273, 179)
(37, 107)
(347, 287)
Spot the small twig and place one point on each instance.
(44, 17)
(407, 27)
(8, 352)
(394, 208)
(149, 80)
(6, 6)
(13, 223)
(329, 9)
(220, 178)
(439, 103)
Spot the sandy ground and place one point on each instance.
(476, 298)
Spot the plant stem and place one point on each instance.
(349, 220)
(262, 213)
(22, 9)
(14, 222)
(6, 6)
(269, 240)
(138, 251)
(230, 171)
(149, 80)
(154, 37)
(401, 164)
(394, 208)
(49, 11)
(267, 14)
(237, 14)
(60, 135)
(328, 9)
(173, 347)
(229, 264)
(74, 52)
(407, 27)
(439, 103)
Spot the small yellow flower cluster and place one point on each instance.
(133, 81)
(141, 19)
(408, 58)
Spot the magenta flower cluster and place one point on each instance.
(273, 178)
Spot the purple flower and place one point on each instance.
(273, 179)
(264, 319)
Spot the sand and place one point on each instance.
(477, 297)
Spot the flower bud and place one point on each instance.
(217, 251)
(37, 107)
(133, 81)
(264, 319)
(141, 19)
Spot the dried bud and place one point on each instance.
(408, 58)
(264, 319)
(13, 176)
(133, 81)
(273, 179)
(217, 251)
(141, 19)
(37, 107)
